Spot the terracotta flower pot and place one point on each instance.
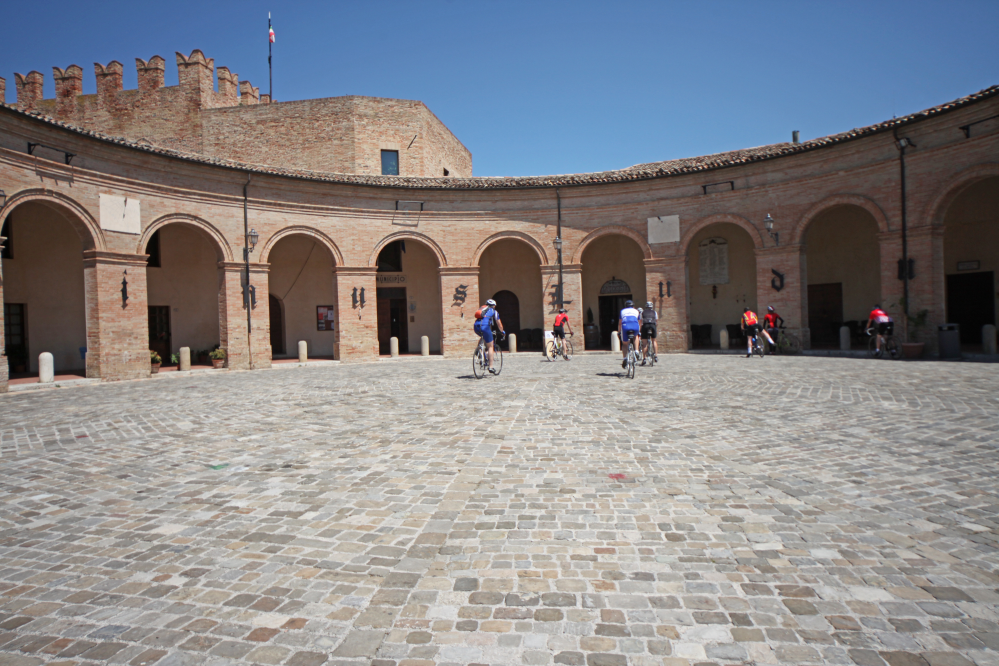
(912, 349)
(155, 367)
(218, 362)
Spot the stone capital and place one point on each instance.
(366, 271)
(93, 258)
(471, 271)
(239, 267)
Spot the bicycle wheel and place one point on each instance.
(498, 360)
(651, 355)
(789, 344)
(758, 347)
(567, 349)
(550, 350)
(872, 346)
(893, 348)
(478, 363)
(631, 362)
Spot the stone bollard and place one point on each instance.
(723, 338)
(424, 345)
(615, 342)
(988, 339)
(46, 368)
(394, 347)
(844, 338)
(303, 351)
(512, 342)
(185, 358)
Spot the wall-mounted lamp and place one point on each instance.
(768, 224)
(254, 237)
(905, 142)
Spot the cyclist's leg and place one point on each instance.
(749, 341)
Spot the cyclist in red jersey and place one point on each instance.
(561, 321)
(770, 324)
(883, 322)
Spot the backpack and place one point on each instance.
(478, 314)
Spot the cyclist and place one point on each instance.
(750, 324)
(628, 324)
(561, 321)
(770, 325)
(484, 328)
(650, 319)
(881, 319)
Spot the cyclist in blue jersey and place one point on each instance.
(484, 328)
(628, 324)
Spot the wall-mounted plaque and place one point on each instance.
(713, 257)
(324, 317)
(969, 265)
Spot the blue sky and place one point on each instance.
(548, 87)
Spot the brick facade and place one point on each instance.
(354, 216)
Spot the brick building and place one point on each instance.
(94, 213)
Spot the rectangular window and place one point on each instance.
(153, 250)
(7, 231)
(390, 162)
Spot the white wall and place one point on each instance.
(607, 257)
(188, 282)
(46, 274)
(301, 277)
(513, 265)
(842, 246)
(739, 293)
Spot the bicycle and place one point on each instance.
(890, 344)
(757, 345)
(786, 343)
(632, 358)
(646, 350)
(480, 361)
(559, 347)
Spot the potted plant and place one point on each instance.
(218, 357)
(913, 327)
(155, 361)
(17, 358)
(175, 360)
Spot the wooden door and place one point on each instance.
(159, 331)
(971, 303)
(825, 313)
(610, 314)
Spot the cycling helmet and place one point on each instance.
(491, 303)
(649, 304)
(562, 310)
(745, 309)
(770, 308)
(629, 304)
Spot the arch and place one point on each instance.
(719, 218)
(515, 235)
(222, 248)
(88, 229)
(577, 257)
(315, 234)
(937, 209)
(408, 235)
(879, 216)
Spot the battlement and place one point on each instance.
(151, 73)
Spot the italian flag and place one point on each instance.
(271, 34)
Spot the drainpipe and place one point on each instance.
(246, 262)
(558, 247)
(902, 144)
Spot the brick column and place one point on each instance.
(674, 325)
(459, 300)
(890, 248)
(4, 377)
(232, 317)
(791, 302)
(572, 284)
(117, 329)
(357, 326)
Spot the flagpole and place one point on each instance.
(270, 67)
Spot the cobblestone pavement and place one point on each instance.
(716, 509)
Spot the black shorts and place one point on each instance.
(648, 331)
(752, 330)
(559, 332)
(886, 328)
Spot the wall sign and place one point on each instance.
(119, 214)
(324, 317)
(713, 258)
(390, 279)
(664, 229)
(969, 265)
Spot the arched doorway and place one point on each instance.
(842, 271)
(613, 272)
(302, 297)
(721, 264)
(183, 283)
(510, 272)
(408, 296)
(43, 290)
(971, 260)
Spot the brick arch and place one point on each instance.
(577, 257)
(222, 249)
(314, 234)
(408, 235)
(801, 227)
(938, 207)
(85, 225)
(721, 218)
(514, 235)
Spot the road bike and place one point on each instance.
(889, 344)
(632, 358)
(559, 347)
(786, 343)
(646, 351)
(480, 362)
(757, 345)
